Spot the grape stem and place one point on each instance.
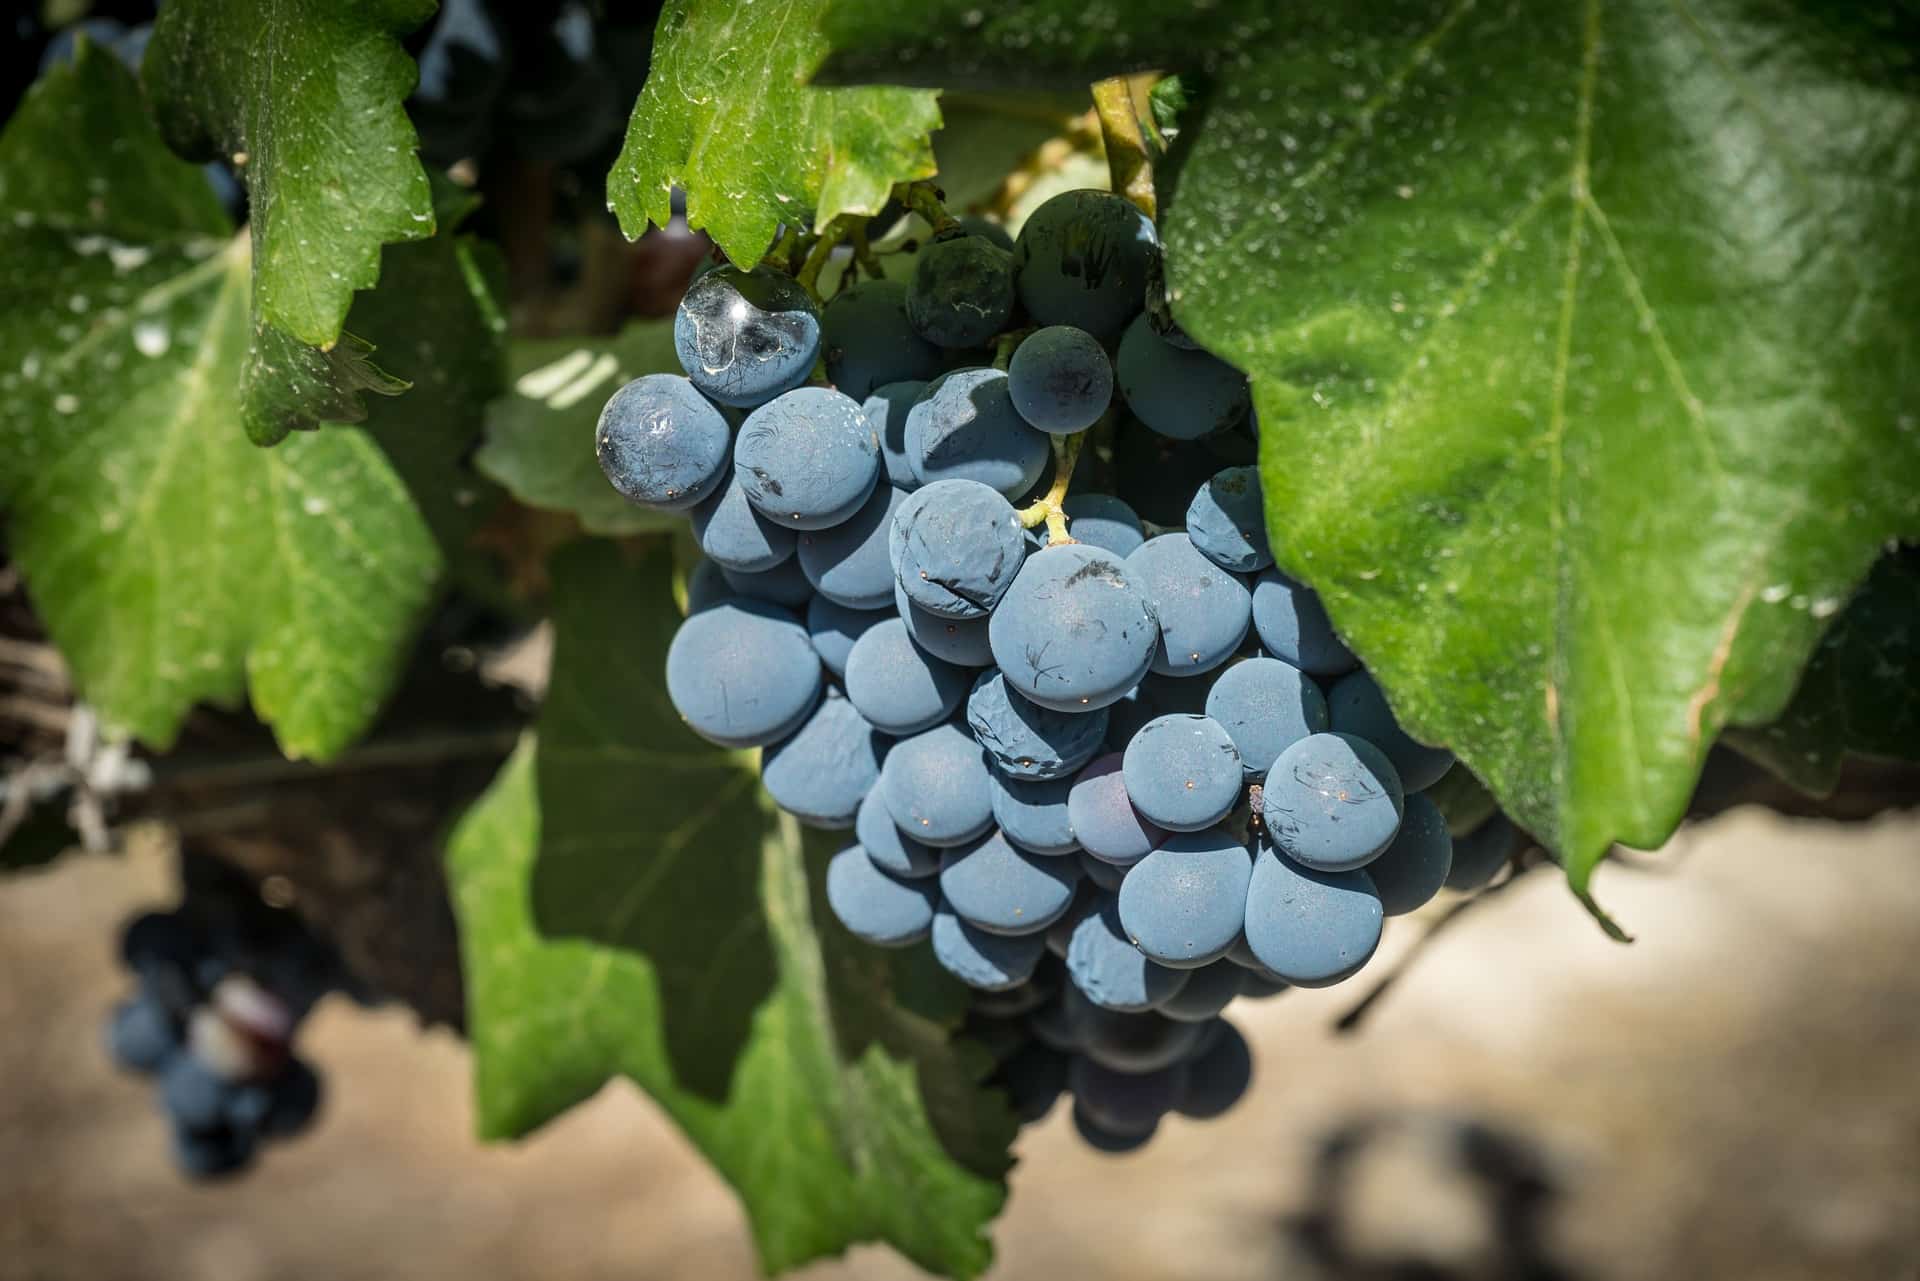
(837, 230)
(1005, 344)
(1129, 163)
(863, 251)
(924, 199)
(1048, 509)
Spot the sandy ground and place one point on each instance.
(1735, 1096)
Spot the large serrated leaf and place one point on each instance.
(171, 561)
(539, 438)
(1582, 339)
(675, 884)
(726, 114)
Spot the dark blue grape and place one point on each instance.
(874, 906)
(1292, 625)
(1179, 393)
(159, 941)
(1209, 990)
(897, 685)
(1005, 890)
(936, 787)
(1104, 820)
(192, 1093)
(211, 1153)
(1310, 928)
(785, 585)
(1110, 971)
(1033, 813)
(1125, 1103)
(1356, 706)
(1184, 904)
(1203, 610)
(848, 562)
(1228, 523)
(960, 641)
(1108, 876)
(962, 291)
(296, 1099)
(892, 850)
(1104, 521)
(964, 427)
(834, 629)
(987, 229)
(707, 586)
(742, 673)
(1034, 1078)
(735, 536)
(866, 341)
(744, 337)
(1060, 379)
(1332, 802)
(1182, 772)
(1479, 856)
(822, 770)
(886, 408)
(1414, 866)
(1101, 1139)
(1266, 706)
(808, 459)
(141, 1034)
(661, 444)
(1026, 740)
(1129, 1042)
(1053, 1027)
(1083, 258)
(1077, 629)
(1217, 1077)
(989, 962)
(956, 546)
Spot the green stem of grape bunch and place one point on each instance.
(1050, 508)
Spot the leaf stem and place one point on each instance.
(1129, 162)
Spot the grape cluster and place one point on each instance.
(1117, 773)
(222, 987)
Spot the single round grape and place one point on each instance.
(744, 337)
(866, 342)
(1026, 740)
(886, 408)
(1053, 1028)
(1129, 1042)
(1110, 971)
(1308, 927)
(834, 629)
(988, 962)
(1034, 1078)
(707, 586)
(1103, 521)
(891, 849)
(1228, 522)
(1184, 904)
(935, 785)
(1101, 1139)
(808, 459)
(848, 562)
(141, 1035)
(1217, 1077)
(1077, 629)
(742, 673)
(1209, 990)
(1060, 379)
(1033, 813)
(1266, 706)
(1203, 610)
(193, 1093)
(1105, 821)
(821, 771)
(964, 427)
(1018, 1000)
(159, 942)
(878, 908)
(1479, 856)
(1005, 890)
(211, 1153)
(955, 547)
(960, 641)
(785, 584)
(987, 229)
(1292, 625)
(962, 291)
(1108, 876)
(735, 536)
(1356, 706)
(1083, 259)
(1179, 393)
(1182, 772)
(897, 685)
(1125, 1103)
(661, 444)
(1332, 802)
(1414, 866)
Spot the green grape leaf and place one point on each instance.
(171, 561)
(539, 437)
(726, 115)
(306, 97)
(1581, 337)
(848, 1112)
(1860, 694)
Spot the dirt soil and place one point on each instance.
(1734, 1096)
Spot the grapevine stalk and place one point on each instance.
(1129, 162)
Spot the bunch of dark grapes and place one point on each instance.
(1118, 773)
(223, 984)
